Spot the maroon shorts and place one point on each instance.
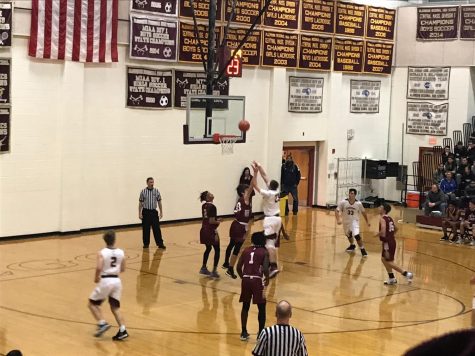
(237, 232)
(391, 251)
(252, 289)
(208, 236)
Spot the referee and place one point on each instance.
(149, 197)
(281, 339)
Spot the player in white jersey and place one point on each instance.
(272, 220)
(110, 263)
(349, 211)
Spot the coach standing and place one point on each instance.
(149, 198)
(281, 339)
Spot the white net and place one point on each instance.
(227, 143)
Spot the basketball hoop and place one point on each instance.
(227, 142)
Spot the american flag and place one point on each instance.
(77, 30)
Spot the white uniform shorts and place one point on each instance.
(272, 225)
(352, 227)
(107, 287)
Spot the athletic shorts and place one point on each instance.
(252, 289)
(391, 251)
(209, 236)
(272, 225)
(352, 227)
(107, 287)
(237, 231)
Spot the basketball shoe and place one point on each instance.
(391, 281)
(121, 335)
(101, 329)
(244, 336)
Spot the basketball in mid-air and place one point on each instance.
(244, 125)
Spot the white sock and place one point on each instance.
(122, 328)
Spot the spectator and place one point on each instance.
(246, 179)
(435, 201)
(439, 174)
(465, 179)
(452, 220)
(457, 343)
(471, 152)
(448, 185)
(281, 339)
(446, 154)
(450, 165)
(290, 177)
(14, 353)
(469, 193)
(460, 150)
(461, 166)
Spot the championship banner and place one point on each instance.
(280, 49)
(201, 9)
(282, 14)
(251, 50)
(380, 23)
(428, 83)
(350, 19)
(190, 45)
(4, 129)
(246, 11)
(6, 24)
(156, 7)
(348, 55)
(153, 39)
(315, 52)
(437, 23)
(378, 57)
(425, 118)
(148, 88)
(365, 96)
(467, 27)
(194, 83)
(5, 81)
(305, 94)
(318, 16)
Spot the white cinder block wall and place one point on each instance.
(79, 158)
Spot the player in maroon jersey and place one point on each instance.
(387, 230)
(253, 268)
(208, 233)
(239, 227)
(468, 223)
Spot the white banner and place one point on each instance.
(365, 96)
(428, 83)
(424, 118)
(305, 94)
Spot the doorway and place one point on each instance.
(304, 158)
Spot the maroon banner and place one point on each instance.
(148, 88)
(201, 9)
(347, 55)
(318, 16)
(189, 50)
(378, 57)
(246, 11)
(251, 50)
(350, 19)
(153, 39)
(4, 129)
(437, 23)
(282, 14)
(280, 49)
(467, 27)
(156, 7)
(315, 52)
(380, 23)
(194, 83)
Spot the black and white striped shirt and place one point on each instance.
(280, 340)
(149, 198)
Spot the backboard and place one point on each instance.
(210, 114)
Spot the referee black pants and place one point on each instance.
(150, 219)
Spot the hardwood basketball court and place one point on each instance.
(339, 301)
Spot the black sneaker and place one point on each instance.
(351, 248)
(453, 239)
(225, 266)
(244, 336)
(162, 246)
(364, 253)
(444, 238)
(121, 335)
(230, 273)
